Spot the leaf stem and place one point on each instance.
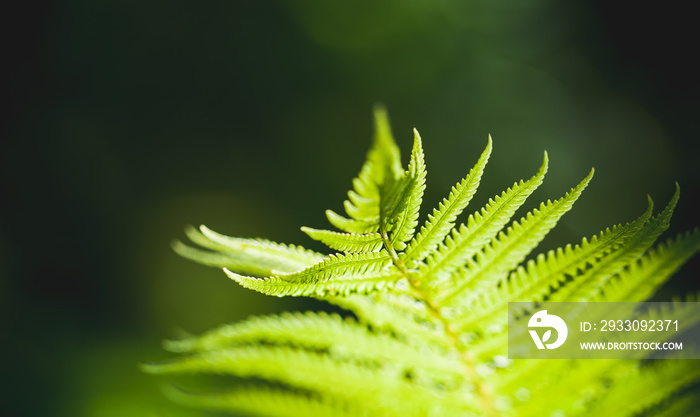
(484, 393)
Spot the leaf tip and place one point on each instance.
(545, 165)
(381, 121)
(176, 245)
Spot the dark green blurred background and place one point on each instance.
(131, 119)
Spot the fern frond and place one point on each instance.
(308, 330)
(401, 215)
(341, 265)
(429, 331)
(308, 370)
(407, 322)
(252, 256)
(379, 173)
(588, 285)
(336, 274)
(282, 364)
(263, 248)
(346, 242)
(280, 287)
(267, 402)
(442, 220)
(218, 259)
(546, 273)
(341, 338)
(643, 278)
(508, 249)
(355, 226)
(481, 227)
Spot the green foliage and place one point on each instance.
(428, 330)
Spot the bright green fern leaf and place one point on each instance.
(401, 216)
(482, 227)
(426, 328)
(346, 242)
(378, 177)
(442, 220)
